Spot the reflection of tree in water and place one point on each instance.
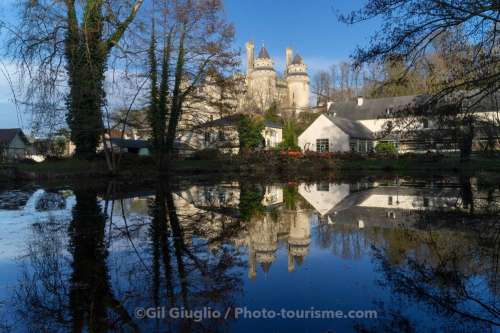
(250, 200)
(183, 271)
(453, 271)
(196, 270)
(92, 302)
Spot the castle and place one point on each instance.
(265, 86)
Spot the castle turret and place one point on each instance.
(288, 56)
(298, 83)
(250, 56)
(262, 83)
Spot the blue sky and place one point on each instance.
(310, 27)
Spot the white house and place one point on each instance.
(222, 134)
(363, 122)
(335, 134)
(14, 144)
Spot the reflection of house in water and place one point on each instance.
(137, 205)
(324, 196)
(378, 206)
(273, 195)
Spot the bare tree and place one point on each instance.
(197, 40)
(409, 31)
(63, 48)
(322, 87)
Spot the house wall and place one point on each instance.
(323, 128)
(324, 196)
(17, 148)
(376, 125)
(229, 144)
(272, 141)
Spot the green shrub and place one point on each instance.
(250, 133)
(387, 148)
(206, 155)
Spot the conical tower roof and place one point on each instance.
(297, 60)
(263, 54)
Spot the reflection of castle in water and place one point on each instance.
(207, 210)
(265, 233)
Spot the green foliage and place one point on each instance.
(387, 148)
(207, 155)
(250, 133)
(271, 114)
(58, 146)
(290, 196)
(290, 135)
(250, 201)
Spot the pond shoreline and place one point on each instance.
(270, 167)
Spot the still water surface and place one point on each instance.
(419, 255)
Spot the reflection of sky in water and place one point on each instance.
(317, 253)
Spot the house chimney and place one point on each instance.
(360, 100)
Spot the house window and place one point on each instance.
(425, 123)
(323, 187)
(390, 201)
(322, 145)
(352, 144)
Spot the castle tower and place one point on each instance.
(298, 83)
(262, 80)
(288, 56)
(299, 239)
(250, 56)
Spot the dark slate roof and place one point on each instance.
(269, 123)
(297, 60)
(373, 108)
(354, 129)
(263, 54)
(127, 143)
(233, 120)
(490, 102)
(8, 134)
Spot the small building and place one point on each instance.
(143, 147)
(222, 134)
(335, 134)
(14, 144)
(137, 147)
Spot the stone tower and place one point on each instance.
(250, 56)
(262, 78)
(264, 87)
(298, 83)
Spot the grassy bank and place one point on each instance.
(258, 165)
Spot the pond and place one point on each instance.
(388, 254)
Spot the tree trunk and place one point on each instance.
(467, 140)
(177, 100)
